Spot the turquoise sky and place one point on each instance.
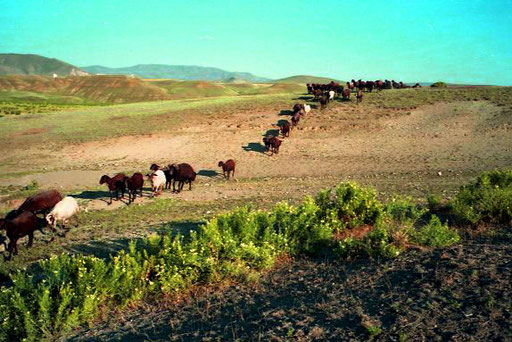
(455, 41)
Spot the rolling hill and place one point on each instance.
(180, 72)
(22, 64)
(305, 79)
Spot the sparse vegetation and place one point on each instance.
(236, 245)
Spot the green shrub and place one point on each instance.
(434, 203)
(435, 234)
(438, 85)
(488, 199)
(403, 210)
(348, 205)
(377, 243)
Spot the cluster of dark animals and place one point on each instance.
(25, 220)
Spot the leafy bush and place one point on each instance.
(348, 205)
(434, 203)
(403, 210)
(435, 234)
(377, 243)
(438, 85)
(488, 199)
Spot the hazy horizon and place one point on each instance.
(465, 42)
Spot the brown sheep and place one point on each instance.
(324, 100)
(228, 167)
(26, 223)
(295, 118)
(41, 202)
(359, 96)
(182, 173)
(285, 129)
(274, 144)
(134, 184)
(115, 185)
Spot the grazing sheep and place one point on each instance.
(285, 129)
(295, 119)
(26, 223)
(346, 94)
(307, 108)
(297, 107)
(324, 100)
(157, 180)
(182, 173)
(331, 95)
(275, 143)
(359, 96)
(115, 185)
(134, 183)
(266, 139)
(228, 167)
(41, 202)
(318, 93)
(167, 174)
(62, 212)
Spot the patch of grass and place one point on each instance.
(88, 124)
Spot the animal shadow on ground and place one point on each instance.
(274, 132)
(208, 173)
(254, 147)
(92, 195)
(314, 106)
(304, 98)
(286, 112)
(106, 248)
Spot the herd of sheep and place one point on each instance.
(49, 208)
(56, 209)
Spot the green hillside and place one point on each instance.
(21, 64)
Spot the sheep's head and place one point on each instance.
(154, 167)
(2, 224)
(221, 163)
(104, 179)
(50, 218)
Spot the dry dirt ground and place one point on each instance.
(429, 148)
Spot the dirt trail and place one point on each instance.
(338, 143)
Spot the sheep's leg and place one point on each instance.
(30, 239)
(190, 184)
(10, 250)
(110, 198)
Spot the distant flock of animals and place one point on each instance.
(56, 209)
(324, 93)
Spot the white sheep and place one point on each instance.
(331, 95)
(157, 179)
(307, 108)
(63, 211)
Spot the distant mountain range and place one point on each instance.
(180, 72)
(21, 64)
(30, 64)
